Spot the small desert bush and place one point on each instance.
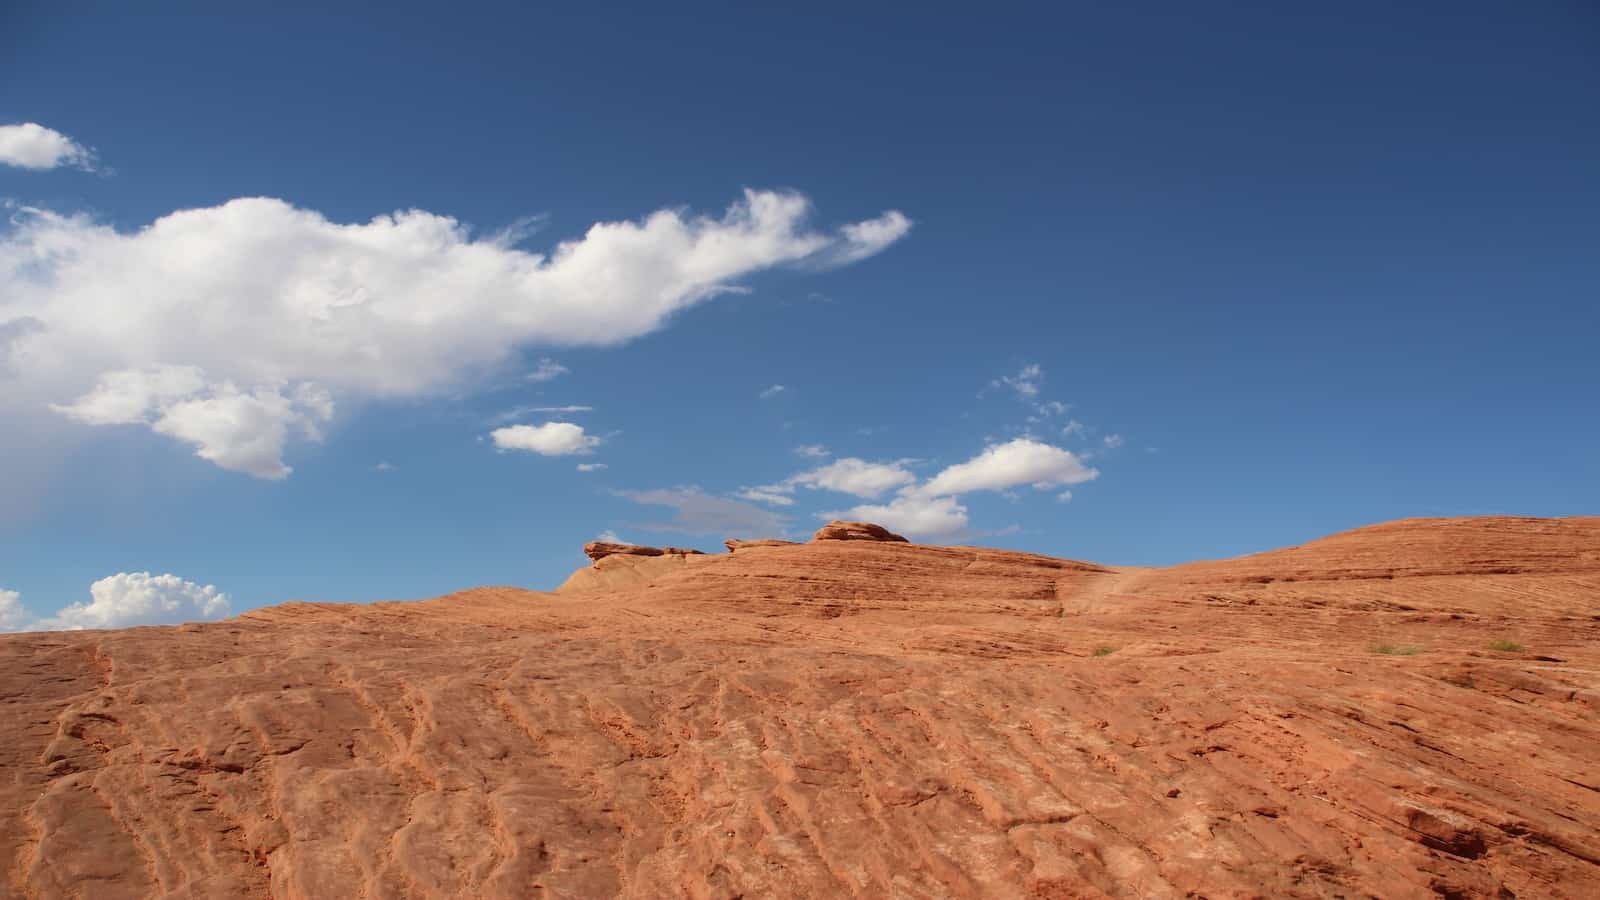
(1104, 651)
(1505, 646)
(1396, 649)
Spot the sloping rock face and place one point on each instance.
(846, 719)
(856, 531)
(598, 550)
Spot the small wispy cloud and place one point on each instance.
(696, 512)
(771, 392)
(591, 467)
(546, 369)
(1026, 382)
(518, 412)
(384, 466)
(766, 494)
(812, 451)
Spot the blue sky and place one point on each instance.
(1232, 278)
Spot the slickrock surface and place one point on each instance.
(856, 531)
(845, 719)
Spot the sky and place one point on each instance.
(382, 303)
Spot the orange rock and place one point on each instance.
(845, 719)
(598, 550)
(735, 544)
(856, 531)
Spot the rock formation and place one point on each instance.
(856, 531)
(598, 550)
(735, 544)
(1408, 710)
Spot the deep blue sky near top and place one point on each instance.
(1318, 267)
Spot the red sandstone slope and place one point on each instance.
(845, 718)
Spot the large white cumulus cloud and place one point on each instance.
(120, 601)
(234, 328)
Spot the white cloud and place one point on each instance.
(546, 370)
(846, 476)
(1052, 408)
(912, 513)
(609, 537)
(139, 598)
(863, 239)
(1113, 441)
(812, 451)
(549, 439)
(33, 146)
(518, 412)
(1016, 462)
(856, 476)
(1074, 428)
(13, 617)
(771, 392)
(590, 467)
(120, 601)
(237, 326)
(695, 512)
(245, 432)
(384, 466)
(1025, 382)
(237, 430)
(773, 494)
(1064, 497)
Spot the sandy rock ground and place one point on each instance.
(845, 718)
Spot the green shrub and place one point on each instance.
(1505, 646)
(1104, 651)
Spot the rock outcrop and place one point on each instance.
(856, 531)
(1409, 710)
(734, 544)
(598, 550)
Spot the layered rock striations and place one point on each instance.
(1408, 710)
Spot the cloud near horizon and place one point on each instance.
(849, 475)
(696, 512)
(30, 145)
(933, 508)
(239, 327)
(122, 600)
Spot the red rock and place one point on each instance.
(856, 531)
(838, 719)
(598, 550)
(734, 544)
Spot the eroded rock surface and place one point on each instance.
(734, 544)
(598, 550)
(846, 718)
(856, 531)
